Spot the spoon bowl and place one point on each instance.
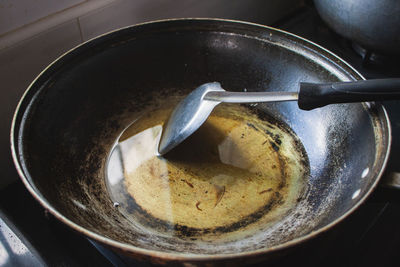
(188, 116)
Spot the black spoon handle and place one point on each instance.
(314, 95)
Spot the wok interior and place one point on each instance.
(82, 103)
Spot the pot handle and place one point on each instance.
(391, 180)
(314, 95)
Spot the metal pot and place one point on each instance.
(70, 116)
(373, 24)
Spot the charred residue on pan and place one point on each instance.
(276, 196)
(184, 231)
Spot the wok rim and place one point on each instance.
(180, 256)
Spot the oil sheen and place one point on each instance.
(238, 174)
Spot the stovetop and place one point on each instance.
(369, 237)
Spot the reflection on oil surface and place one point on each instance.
(237, 172)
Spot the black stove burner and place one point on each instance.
(371, 58)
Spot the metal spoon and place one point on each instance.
(194, 110)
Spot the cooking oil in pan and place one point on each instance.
(237, 174)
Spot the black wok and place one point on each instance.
(70, 116)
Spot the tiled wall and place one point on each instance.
(15, 14)
(31, 37)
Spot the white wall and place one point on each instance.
(35, 32)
